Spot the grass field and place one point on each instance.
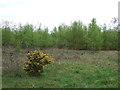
(72, 69)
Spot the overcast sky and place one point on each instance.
(54, 12)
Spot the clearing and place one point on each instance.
(72, 69)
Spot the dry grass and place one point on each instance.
(68, 63)
(101, 57)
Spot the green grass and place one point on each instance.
(97, 70)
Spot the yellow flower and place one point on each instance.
(29, 62)
(35, 51)
(28, 54)
(26, 65)
(37, 63)
(31, 58)
(39, 70)
(42, 54)
(47, 57)
(38, 57)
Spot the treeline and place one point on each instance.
(75, 36)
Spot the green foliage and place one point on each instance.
(25, 36)
(94, 36)
(6, 35)
(110, 39)
(35, 62)
(75, 36)
(17, 48)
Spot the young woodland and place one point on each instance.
(74, 36)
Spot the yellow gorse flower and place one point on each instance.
(36, 61)
(26, 65)
(42, 54)
(47, 57)
(29, 62)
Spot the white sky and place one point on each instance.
(54, 12)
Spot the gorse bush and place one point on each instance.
(35, 62)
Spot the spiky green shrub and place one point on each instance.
(35, 62)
